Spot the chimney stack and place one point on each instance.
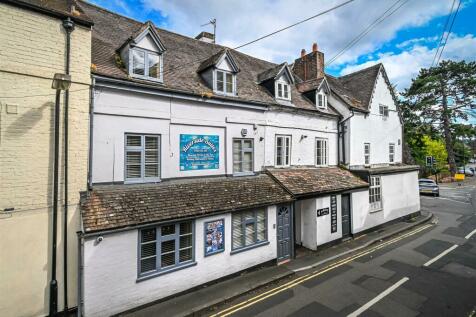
(310, 66)
(205, 37)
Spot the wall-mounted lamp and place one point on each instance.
(303, 137)
(261, 138)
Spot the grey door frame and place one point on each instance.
(291, 232)
(350, 213)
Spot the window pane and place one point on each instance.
(261, 225)
(320, 101)
(134, 140)
(151, 170)
(147, 265)
(237, 234)
(247, 162)
(248, 144)
(220, 80)
(168, 246)
(167, 259)
(229, 83)
(286, 91)
(186, 227)
(133, 164)
(250, 233)
(148, 235)
(236, 167)
(148, 249)
(138, 62)
(151, 143)
(280, 90)
(154, 66)
(185, 241)
(185, 255)
(168, 229)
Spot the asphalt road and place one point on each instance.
(430, 271)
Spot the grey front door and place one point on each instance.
(284, 232)
(345, 215)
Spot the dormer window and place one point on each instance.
(225, 82)
(283, 90)
(145, 64)
(142, 54)
(321, 100)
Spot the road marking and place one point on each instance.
(378, 298)
(258, 298)
(470, 234)
(457, 201)
(439, 256)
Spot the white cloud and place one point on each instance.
(402, 67)
(241, 21)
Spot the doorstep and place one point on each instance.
(198, 300)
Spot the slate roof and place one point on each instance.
(112, 207)
(270, 73)
(58, 8)
(361, 83)
(181, 61)
(304, 181)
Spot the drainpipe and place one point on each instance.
(68, 26)
(343, 129)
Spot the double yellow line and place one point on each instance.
(302, 279)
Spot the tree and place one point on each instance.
(441, 96)
(437, 149)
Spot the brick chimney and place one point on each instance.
(310, 66)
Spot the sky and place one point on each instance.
(404, 41)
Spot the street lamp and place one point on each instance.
(60, 82)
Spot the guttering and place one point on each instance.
(119, 84)
(68, 26)
(330, 192)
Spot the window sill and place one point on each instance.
(243, 249)
(372, 211)
(165, 271)
(156, 80)
(282, 166)
(142, 181)
(244, 174)
(226, 94)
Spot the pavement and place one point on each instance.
(340, 288)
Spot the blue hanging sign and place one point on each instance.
(199, 152)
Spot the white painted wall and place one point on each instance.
(400, 198)
(148, 43)
(311, 230)
(110, 268)
(119, 112)
(375, 129)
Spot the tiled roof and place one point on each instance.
(346, 95)
(110, 207)
(59, 8)
(270, 73)
(302, 181)
(361, 83)
(181, 61)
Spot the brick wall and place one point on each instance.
(32, 50)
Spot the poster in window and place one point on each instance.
(214, 236)
(199, 152)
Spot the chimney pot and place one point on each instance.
(303, 52)
(314, 47)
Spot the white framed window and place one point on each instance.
(375, 193)
(283, 90)
(283, 151)
(242, 156)
(321, 152)
(367, 153)
(142, 158)
(249, 228)
(391, 152)
(166, 248)
(225, 82)
(321, 100)
(145, 64)
(383, 110)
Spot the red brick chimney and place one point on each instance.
(310, 66)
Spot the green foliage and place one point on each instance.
(437, 149)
